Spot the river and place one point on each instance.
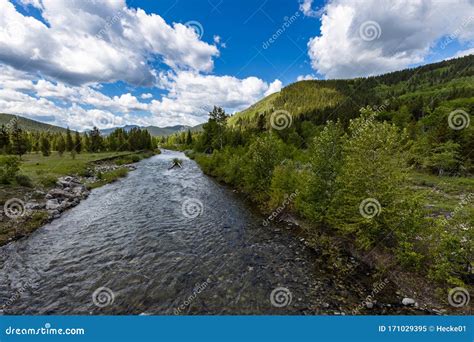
(169, 241)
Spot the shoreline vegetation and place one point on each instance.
(380, 167)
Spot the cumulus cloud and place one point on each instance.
(52, 69)
(361, 38)
(146, 96)
(91, 41)
(306, 8)
(305, 77)
(192, 95)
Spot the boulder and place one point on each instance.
(408, 301)
(52, 204)
(58, 193)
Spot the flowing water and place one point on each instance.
(167, 241)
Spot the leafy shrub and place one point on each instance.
(9, 167)
(24, 180)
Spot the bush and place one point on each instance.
(371, 200)
(24, 180)
(9, 167)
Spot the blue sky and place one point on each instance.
(114, 62)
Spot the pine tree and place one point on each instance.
(96, 143)
(60, 145)
(77, 143)
(189, 138)
(19, 141)
(45, 146)
(69, 142)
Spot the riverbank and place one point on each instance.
(56, 184)
(409, 288)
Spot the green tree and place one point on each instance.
(96, 142)
(69, 142)
(77, 142)
(371, 200)
(60, 145)
(45, 145)
(4, 139)
(318, 189)
(19, 141)
(189, 138)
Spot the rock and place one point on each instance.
(408, 301)
(34, 206)
(58, 193)
(52, 204)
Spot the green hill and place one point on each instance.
(30, 125)
(420, 89)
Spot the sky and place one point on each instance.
(108, 63)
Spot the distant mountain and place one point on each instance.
(30, 125)
(154, 130)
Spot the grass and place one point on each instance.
(443, 194)
(45, 171)
(109, 177)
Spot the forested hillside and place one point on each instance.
(385, 162)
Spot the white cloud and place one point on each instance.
(146, 96)
(464, 53)
(53, 72)
(89, 41)
(405, 31)
(306, 8)
(191, 96)
(274, 87)
(305, 77)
